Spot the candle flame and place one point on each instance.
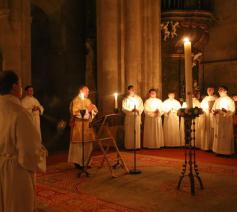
(186, 40)
(115, 95)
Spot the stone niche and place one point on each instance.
(179, 20)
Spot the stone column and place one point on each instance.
(108, 24)
(4, 29)
(15, 38)
(133, 47)
(151, 54)
(156, 46)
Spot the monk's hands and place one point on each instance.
(35, 108)
(215, 112)
(224, 110)
(157, 112)
(135, 111)
(218, 111)
(91, 107)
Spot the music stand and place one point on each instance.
(104, 136)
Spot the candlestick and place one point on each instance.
(223, 104)
(83, 99)
(154, 105)
(188, 72)
(116, 101)
(134, 104)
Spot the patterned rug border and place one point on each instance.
(164, 162)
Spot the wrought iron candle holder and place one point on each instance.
(190, 167)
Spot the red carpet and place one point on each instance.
(60, 190)
(202, 156)
(53, 199)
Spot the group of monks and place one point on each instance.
(213, 128)
(20, 138)
(162, 125)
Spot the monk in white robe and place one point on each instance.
(171, 121)
(207, 134)
(81, 102)
(132, 106)
(198, 125)
(223, 110)
(20, 147)
(153, 130)
(33, 106)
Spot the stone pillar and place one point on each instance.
(108, 24)
(133, 45)
(156, 46)
(15, 37)
(151, 54)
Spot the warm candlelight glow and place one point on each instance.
(169, 107)
(82, 95)
(186, 40)
(224, 104)
(115, 100)
(154, 105)
(205, 106)
(134, 103)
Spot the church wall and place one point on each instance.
(220, 56)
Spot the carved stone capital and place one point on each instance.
(177, 24)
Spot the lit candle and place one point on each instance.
(223, 104)
(188, 72)
(134, 104)
(205, 105)
(154, 105)
(116, 100)
(83, 98)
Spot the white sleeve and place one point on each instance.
(26, 104)
(28, 142)
(40, 106)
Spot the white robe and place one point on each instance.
(75, 148)
(153, 130)
(171, 122)
(29, 102)
(207, 131)
(20, 147)
(198, 125)
(223, 126)
(131, 120)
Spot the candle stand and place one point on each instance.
(134, 170)
(190, 167)
(84, 167)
